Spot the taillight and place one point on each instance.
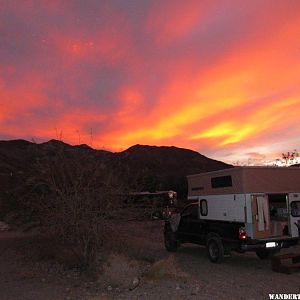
(242, 234)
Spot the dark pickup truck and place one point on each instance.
(219, 237)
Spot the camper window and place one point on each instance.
(221, 181)
(203, 207)
(295, 208)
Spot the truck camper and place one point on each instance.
(242, 209)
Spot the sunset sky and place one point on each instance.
(218, 77)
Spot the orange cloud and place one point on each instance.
(170, 20)
(208, 75)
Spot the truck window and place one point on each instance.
(295, 208)
(191, 210)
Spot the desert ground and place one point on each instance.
(135, 265)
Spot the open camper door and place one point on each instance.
(260, 216)
(294, 208)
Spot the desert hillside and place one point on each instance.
(147, 168)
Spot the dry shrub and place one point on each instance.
(167, 268)
(119, 270)
(73, 197)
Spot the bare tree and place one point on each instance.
(289, 158)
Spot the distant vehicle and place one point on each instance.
(241, 209)
(158, 205)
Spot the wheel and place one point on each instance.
(215, 250)
(171, 243)
(265, 254)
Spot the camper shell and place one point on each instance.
(243, 208)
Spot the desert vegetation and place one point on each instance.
(68, 197)
(289, 158)
(72, 198)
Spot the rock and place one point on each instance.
(4, 226)
(135, 283)
(109, 288)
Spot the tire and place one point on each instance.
(215, 250)
(265, 254)
(171, 243)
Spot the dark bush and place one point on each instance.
(72, 197)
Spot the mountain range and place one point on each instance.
(148, 168)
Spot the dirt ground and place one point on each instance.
(241, 276)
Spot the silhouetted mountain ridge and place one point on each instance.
(145, 167)
(167, 167)
(170, 159)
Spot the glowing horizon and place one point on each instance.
(218, 77)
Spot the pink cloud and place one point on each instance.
(213, 76)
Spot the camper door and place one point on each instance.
(294, 209)
(260, 216)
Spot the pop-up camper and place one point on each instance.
(242, 208)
